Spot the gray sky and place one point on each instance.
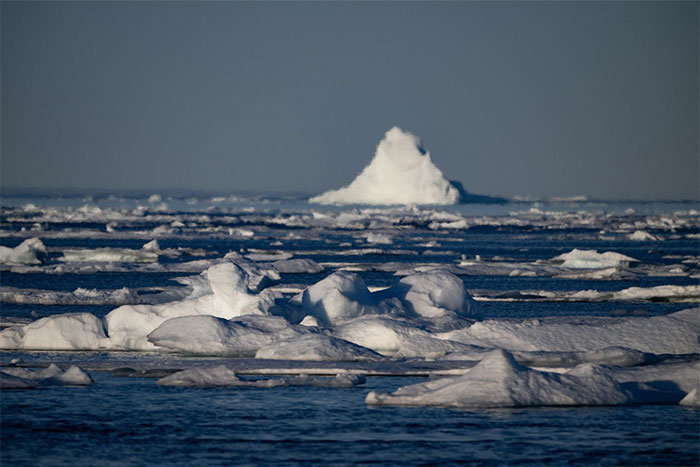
(511, 98)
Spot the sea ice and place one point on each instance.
(498, 381)
(52, 375)
(115, 255)
(74, 331)
(429, 294)
(401, 172)
(676, 333)
(209, 335)
(30, 251)
(317, 347)
(591, 259)
(221, 291)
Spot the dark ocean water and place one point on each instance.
(132, 421)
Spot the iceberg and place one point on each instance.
(400, 173)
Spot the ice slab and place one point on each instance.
(499, 381)
(209, 335)
(76, 331)
(225, 376)
(51, 376)
(317, 347)
(30, 251)
(591, 259)
(676, 333)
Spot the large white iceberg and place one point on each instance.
(400, 173)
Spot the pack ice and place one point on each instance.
(401, 172)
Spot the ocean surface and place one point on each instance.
(503, 253)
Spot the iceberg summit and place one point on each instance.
(401, 172)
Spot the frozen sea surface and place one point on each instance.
(505, 254)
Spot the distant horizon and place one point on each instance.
(134, 193)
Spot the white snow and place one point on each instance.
(342, 295)
(400, 173)
(591, 259)
(30, 251)
(433, 293)
(221, 291)
(75, 331)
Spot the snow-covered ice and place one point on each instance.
(30, 251)
(499, 381)
(591, 259)
(317, 347)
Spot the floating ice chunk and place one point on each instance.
(75, 331)
(670, 292)
(498, 381)
(591, 259)
(208, 335)
(341, 380)
(215, 376)
(298, 266)
(676, 333)
(151, 246)
(116, 255)
(379, 333)
(342, 295)
(401, 172)
(30, 251)
(642, 236)
(317, 347)
(379, 238)
(53, 375)
(619, 356)
(692, 399)
(78, 297)
(433, 293)
(221, 291)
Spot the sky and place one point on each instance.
(534, 99)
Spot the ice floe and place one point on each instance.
(499, 381)
(30, 251)
(23, 378)
(317, 347)
(591, 259)
(676, 333)
(73, 331)
(224, 376)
